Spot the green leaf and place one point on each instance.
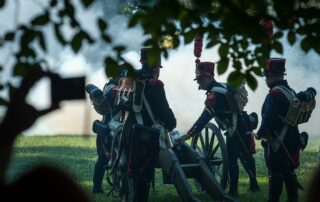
(134, 20)
(69, 9)
(153, 56)
(20, 69)
(257, 71)
(251, 81)
(42, 41)
(189, 37)
(277, 46)
(9, 36)
(247, 62)
(148, 42)
(165, 53)
(235, 78)
(223, 65)
(244, 43)
(277, 35)
(237, 65)
(102, 24)
(211, 43)
(27, 37)
(291, 38)
(87, 3)
(85, 35)
(305, 45)
(223, 50)
(59, 34)
(41, 19)
(26, 51)
(317, 49)
(106, 38)
(111, 67)
(76, 42)
(53, 3)
(119, 48)
(2, 3)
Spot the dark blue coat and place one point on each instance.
(216, 105)
(274, 110)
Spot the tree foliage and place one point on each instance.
(230, 25)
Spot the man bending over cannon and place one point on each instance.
(226, 105)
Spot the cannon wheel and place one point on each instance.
(211, 145)
(121, 186)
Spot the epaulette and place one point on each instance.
(275, 92)
(156, 82)
(211, 99)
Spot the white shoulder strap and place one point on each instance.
(146, 103)
(220, 89)
(108, 88)
(289, 93)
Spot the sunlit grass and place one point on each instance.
(77, 155)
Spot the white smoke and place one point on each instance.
(177, 73)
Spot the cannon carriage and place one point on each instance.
(204, 161)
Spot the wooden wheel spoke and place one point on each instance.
(214, 151)
(207, 141)
(211, 142)
(202, 144)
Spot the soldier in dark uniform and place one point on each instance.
(246, 144)
(142, 172)
(284, 159)
(216, 106)
(103, 139)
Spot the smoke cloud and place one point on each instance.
(186, 101)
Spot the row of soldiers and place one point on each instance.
(282, 157)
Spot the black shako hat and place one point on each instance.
(275, 66)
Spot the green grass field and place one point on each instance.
(77, 155)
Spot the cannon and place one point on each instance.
(211, 146)
(204, 161)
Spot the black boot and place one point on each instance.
(254, 186)
(141, 187)
(98, 174)
(291, 183)
(275, 187)
(249, 165)
(234, 178)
